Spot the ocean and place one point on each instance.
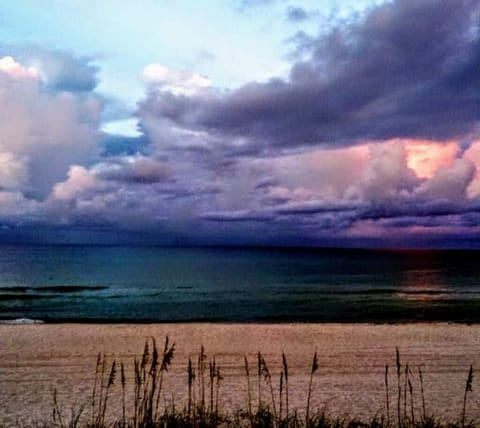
(151, 284)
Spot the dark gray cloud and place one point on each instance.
(61, 70)
(297, 14)
(72, 74)
(320, 216)
(318, 208)
(141, 170)
(116, 145)
(237, 216)
(405, 69)
(417, 209)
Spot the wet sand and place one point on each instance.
(36, 359)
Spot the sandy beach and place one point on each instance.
(36, 359)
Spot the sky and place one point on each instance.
(241, 122)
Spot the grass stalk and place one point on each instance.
(218, 378)
(412, 412)
(285, 372)
(405, 393)
(249, 391)
(422, 392)
(97, 370)
(259, 373)
(309, 395)
(167, 357)
(399, 387)
(111, 380)
(191, 380)
(56, 413)
(468, 388)
(138, 382)
(201, 378)
(268, 380)
(123, 382)
(387, 397)
(211, 376)
(281, 395)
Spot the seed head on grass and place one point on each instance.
(168, 354)
(122, 375)
(264, 369)
(191, 373)
(468, 386)
(285, 366)
(110, 382)
(154, 362)
(145, 356)
(113, 372)
(265, 372)
(315, 363)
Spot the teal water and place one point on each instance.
(140, 284)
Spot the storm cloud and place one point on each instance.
(406, 69)
(370, 139)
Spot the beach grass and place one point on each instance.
(144, 403)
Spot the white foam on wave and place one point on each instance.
(21, 321)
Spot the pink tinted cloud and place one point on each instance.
(47, 131)
(427, 157)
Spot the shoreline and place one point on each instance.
(28, 321)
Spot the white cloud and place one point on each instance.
(9, 66)
(178, 82)
(124, 127)
(79, 180)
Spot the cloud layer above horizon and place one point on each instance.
(371, 137)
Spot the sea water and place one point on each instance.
(151, 284)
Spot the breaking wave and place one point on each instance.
(21, 321)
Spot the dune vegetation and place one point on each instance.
(144, 405)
